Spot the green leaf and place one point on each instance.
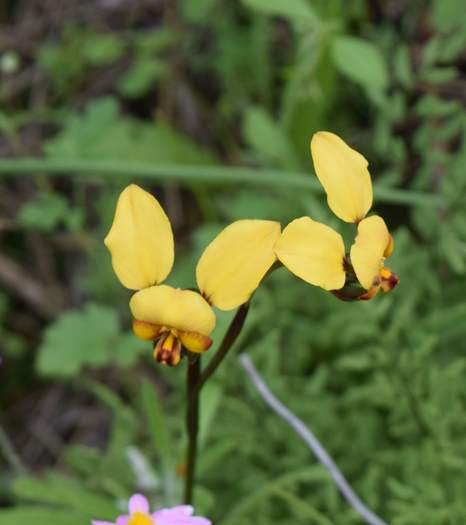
(141, 77)
(211, 399)
(440, 75)
(156, 421)
(268, 139)
(293, 10)
(128, 349)
(78, 338)
(101, 48)
(360, 61)
(41, 516)
(102, 133)
(196, 12)
(448, 14)
(47, 211)
(402, 66)
(147, 44)
(56, 489)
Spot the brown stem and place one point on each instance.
(229, 339)
(195, 382)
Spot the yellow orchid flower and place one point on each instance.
(316, 253)
(141, 244)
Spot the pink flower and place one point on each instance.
(139, 514)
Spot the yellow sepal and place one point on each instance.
(234, 263)
(314, 252)
(140, 240)
(367, 252)
(343, 173)
(173, 308)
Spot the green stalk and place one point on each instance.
(184, 174)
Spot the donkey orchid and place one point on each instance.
(316, 253)
(229, 271)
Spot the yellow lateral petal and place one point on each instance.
(146, 331)
(140, 240)
(314, 252)
(367, 252)
(234, 263)
(343, 173)
(194, 341)
(174, 308)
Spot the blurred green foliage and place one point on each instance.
(245, 83)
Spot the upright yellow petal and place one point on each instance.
(234, 263)
(343, 173)
(367, 252)
(173, 308)
(140, 240)
(314, 252)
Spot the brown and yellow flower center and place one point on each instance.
(169, 342)
(167, 350)
(388, 279)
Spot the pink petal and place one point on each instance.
(181, 515)
(184, 510)
(94, 522)
(122, 520)
(176, 512)
(138, 503)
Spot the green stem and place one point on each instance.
(192, 425)
(215, 175)
(195, 382)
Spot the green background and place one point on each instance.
(210, 105)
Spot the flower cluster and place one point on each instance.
(233, 265)
(139, 514)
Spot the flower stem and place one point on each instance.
(229, 339)
(192, 425)
(195, 382)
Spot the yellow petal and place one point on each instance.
(343, 173)
(367, 252)
(195, 342)
(314, 252)
(234, 263)
(140, 240)
(146, 331)
(174, 308)
(390, 247)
